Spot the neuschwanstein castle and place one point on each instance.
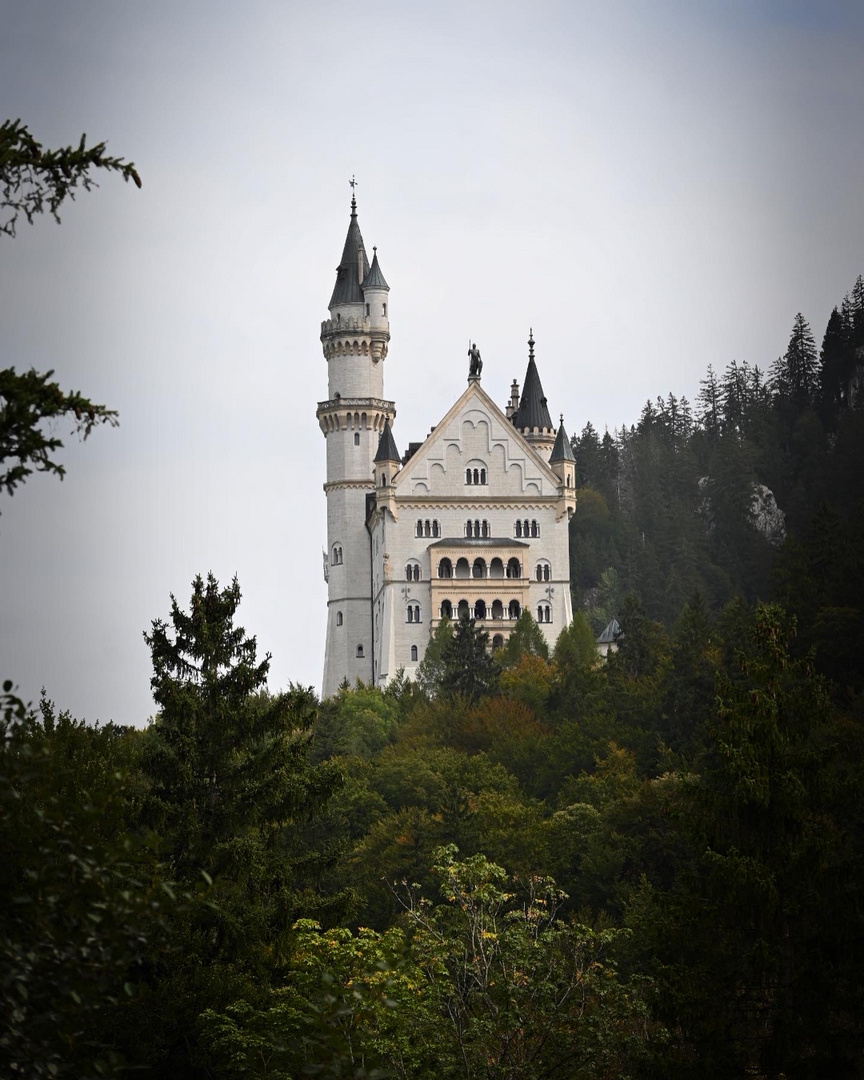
(473, 519)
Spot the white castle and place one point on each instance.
(473, 520)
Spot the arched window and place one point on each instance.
(514, 610)
(497, 609)
(446, 609)
(337, 555)
(338, 618)
(435, 530)
(410, 613)
(518, 529)
(482, 476)
(413, 652)
(419, 529)
(464, 609)
(526, 528)
(535, 529)
(356, 438)
(485, 529)
(543, 571)
(427, 528)
(498, 642)
(412, 572)
(383, 479)
(479, 609)
(514, 570)
(496, 568)
(445, 569)
(544, 614)
(478, 570)
(463, 569)
(476, 476)
(467, 476)
(469, 529)
(359, 652)
(477, 528)
(413, 613)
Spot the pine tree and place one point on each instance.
(223, 755)
(469, 670)
(834, 357)
(526, 639)
(795, 375)
(708, 404)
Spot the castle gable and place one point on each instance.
(475, 450)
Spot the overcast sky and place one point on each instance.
(652, 187)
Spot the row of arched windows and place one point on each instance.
(427, 528)
(481, 610)
(527, 528)
(543, 571)
(544, 613)
(412, 572)
(477, 529)
(479, 568)
(413, 613)
(475, 476)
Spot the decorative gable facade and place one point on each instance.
(473, 520)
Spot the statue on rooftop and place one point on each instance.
(475, 366)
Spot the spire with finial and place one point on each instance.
(353, 266)
(532, 417)
(562, 450)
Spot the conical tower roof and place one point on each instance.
(562, 450)
(387, 445)
(348, 272)
(375, 279)
(533, 411)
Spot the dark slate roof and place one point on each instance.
(347, 290)
(387, 445)
(375, 279)
(533, 412)
(483, 541)
(610, 634)
(562, 450)
(413, 447)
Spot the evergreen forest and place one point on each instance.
(528, 864)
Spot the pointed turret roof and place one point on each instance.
(375, 279)
(562, 450)
(387, 446)
(348, 277)
(533, 411)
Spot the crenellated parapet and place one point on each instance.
(355, 414)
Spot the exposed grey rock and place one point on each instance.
(766, 516)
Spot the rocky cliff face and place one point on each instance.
(766, 516)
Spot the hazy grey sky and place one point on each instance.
(652, 187)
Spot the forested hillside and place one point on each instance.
(532, 864)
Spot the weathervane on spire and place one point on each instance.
(352, 184)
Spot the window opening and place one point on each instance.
(359, 652)
(413, 652)
(338, 618)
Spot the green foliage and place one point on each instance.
(85, 905)
(33, 179)
(468, 669)
(27, 401)
(432, 670)
(526, 639)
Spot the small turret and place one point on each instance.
(513, 403)
(563, 464)
(387, 462)
(376, 297)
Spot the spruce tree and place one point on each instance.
(795, 375)
(469, 670)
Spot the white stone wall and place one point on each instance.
(432, 487)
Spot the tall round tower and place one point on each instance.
(355, 340)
